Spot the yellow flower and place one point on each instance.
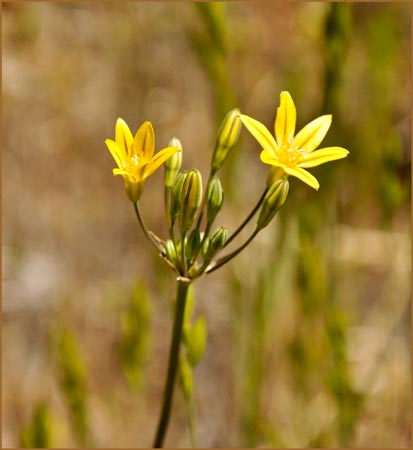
(290, 152)
(134, 156)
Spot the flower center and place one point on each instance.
(135, 160)
(131, 164)
(289, 154)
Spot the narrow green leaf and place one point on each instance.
(197, 340)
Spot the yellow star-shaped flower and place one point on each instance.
(293, 153)
(135, 156)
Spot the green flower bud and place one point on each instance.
(173, 164)
(205, 246)
(214, 198)
(176, 195)
(273, 201)
(170, 251)
(178, 247)
(216, 242)
(192, 245)
(191, 196)
(228, 135)
(219, 238)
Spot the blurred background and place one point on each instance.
(308, 329)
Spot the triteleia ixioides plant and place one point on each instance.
(194, 245)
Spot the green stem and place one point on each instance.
(183, 259)
(249, 217)
(145, 230)
(167, 208)
(220, 262)
(181, 297)
(206, 234)
(169, 219)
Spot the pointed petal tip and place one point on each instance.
(146, 123)
(304, 176)
(322, 156)
(326, 118)
(237, 111)
(285, 94)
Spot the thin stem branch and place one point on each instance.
(145, 229)
(167, 207)
(249, 217)
(181, 297)
(220, 262)
(183, 259)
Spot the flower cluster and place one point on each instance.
(190, 251)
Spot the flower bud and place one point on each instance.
(219, 238)
(171, 251)
(214, 198)
(273, 201)
(191, 196)
(228, 135)
(176, 195)
(205, 246)
(173, 164)
(193, 243)
(216, 242)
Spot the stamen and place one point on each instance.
(290, 154)
(135, 159)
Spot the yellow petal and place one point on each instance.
(269, 158)
(322, 156)
(144, 141)
(310, 137)
(123, 136)
(122, 172)
(285, 119)
(303, 175)
(260, 132)
(115, 151)
(158, 160)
